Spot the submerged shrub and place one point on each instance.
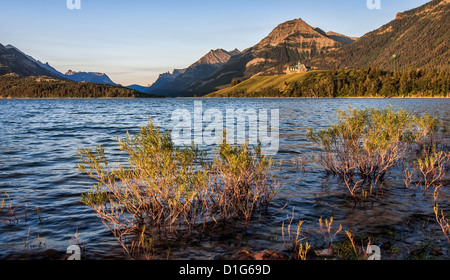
(166, 190)
(7, 209)
(241, 180)
(429, 171)
(366, 144)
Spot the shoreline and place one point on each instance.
(204, 97)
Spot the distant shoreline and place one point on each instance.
(68, 98)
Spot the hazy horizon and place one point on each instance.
(135, 41)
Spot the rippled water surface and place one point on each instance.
(39, 141)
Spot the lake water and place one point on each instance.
(39, 141)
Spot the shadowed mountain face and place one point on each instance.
(419, 38)
(287, 44)
(176, 83)
(165, 78)
(13, 61)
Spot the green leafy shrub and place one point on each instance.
(165, 190)
(241, 180)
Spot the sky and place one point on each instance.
(134, 41)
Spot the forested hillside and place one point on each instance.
(13, 86)
(419, 38)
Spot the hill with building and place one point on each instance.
(288, 43)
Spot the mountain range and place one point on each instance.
(288, 43)
(92, 77)
(419, 38)
(13, 60)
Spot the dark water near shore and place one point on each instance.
(39, 141)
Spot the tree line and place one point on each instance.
(44, 87)
(374, 82)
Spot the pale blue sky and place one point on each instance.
(134, 41)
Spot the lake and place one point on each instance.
(39, 141)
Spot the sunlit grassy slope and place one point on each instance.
(258, 86)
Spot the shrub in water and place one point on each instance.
(366, 144)
(163, 189)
